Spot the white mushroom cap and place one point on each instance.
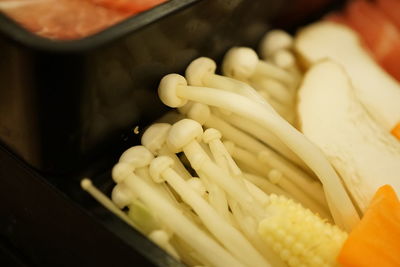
(120, 171)
(167, 90)
(199, 112)
(182, 133)
(240, 63)
(155, 136)
(121, 196)
(158, 166)
(137, 156)
(198, 68)
(273, 41)
(211, 134)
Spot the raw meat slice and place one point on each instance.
(131, 6)
(379, 33)
(391, 8)
(61, 19)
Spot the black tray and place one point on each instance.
(63, 103)
(68, 109)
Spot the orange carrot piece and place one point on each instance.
(375, 241)
(396, 131)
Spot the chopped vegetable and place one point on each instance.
(378, 91)
(396, 131)
(175, 92)
(375, 241)
(358, 148)
(300, 237)
(378, 32)
(216, 185)
(229, 236)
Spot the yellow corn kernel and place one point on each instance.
(298, 236)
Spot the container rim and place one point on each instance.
(12, 30)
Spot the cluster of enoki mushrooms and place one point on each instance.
(228, 179)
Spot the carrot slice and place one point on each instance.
(375, 241)
(396, 131)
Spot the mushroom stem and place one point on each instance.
(308, 185)
(88, 186)
(275, 89)
(248, 226)
(223, 231)
(266, 185)
(342, 208)
(283, 181)
(247, 158)
(257, 193)
(201, 72)
(161, 238)
(212, 137)
(182, 137)
(263, 135)
(202, 114)
(217, 198)
(266, 69)
(207, 247)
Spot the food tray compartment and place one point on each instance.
(68, 110)
(63, 103)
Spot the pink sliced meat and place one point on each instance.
(391, 8)
(378, 32)
(61, 19)
(130, 6)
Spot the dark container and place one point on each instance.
(64, 103)
(68, 109)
